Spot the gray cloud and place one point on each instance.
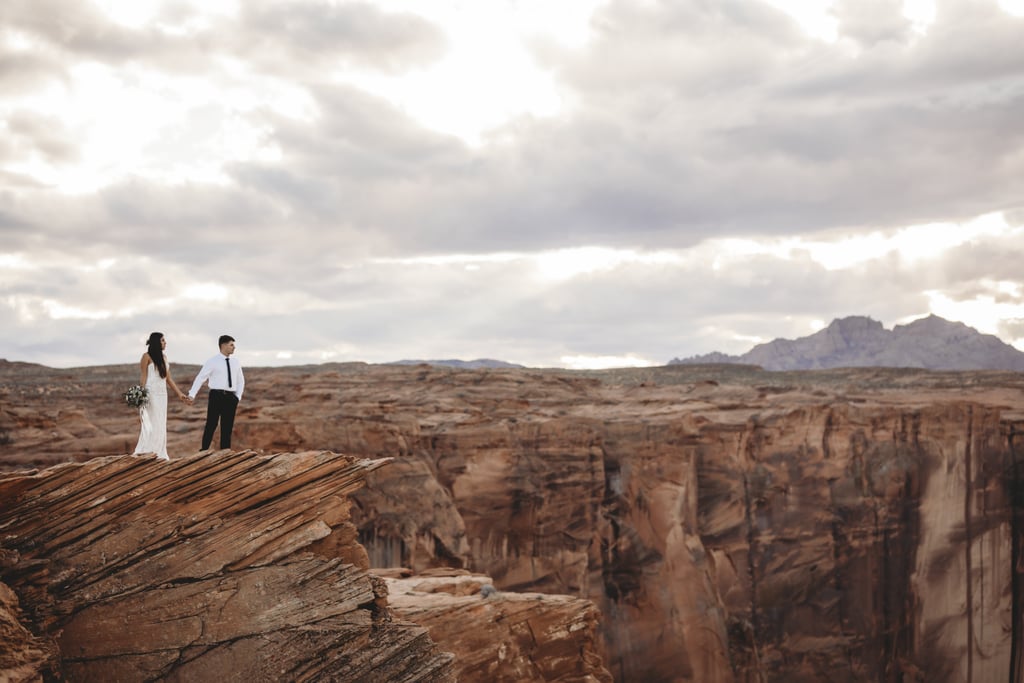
(695, 119)
(81, 30)
(22, 71)
(29, 133)
(310, 36)
(775, 133)
(873, 22)
(362, 163)
(287, 38)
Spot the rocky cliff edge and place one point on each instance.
(229, 566)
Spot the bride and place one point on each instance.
(156, 375)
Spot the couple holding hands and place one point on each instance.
(226, 383)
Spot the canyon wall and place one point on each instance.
(729, 524)
(814, 543)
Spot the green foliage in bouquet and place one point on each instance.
(136, 396)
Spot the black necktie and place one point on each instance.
(228, 361)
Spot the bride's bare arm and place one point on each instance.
(144, 368)
(174, 386)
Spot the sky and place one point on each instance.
(581, 183)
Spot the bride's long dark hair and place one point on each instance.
(157, 353)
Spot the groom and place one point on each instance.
(226, 385)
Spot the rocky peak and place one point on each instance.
(854, 327)
(934, 325)
(858, 341)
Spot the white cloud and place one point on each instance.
(58, 311)
(604, 362)
(1014, 7)
(921, 14)
(14, 261)
(206, 291)
(565, 264)
(130, 13)
(852, 248)
(985, 311)
(489, 75)
(814, 16)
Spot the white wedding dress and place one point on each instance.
(153, 435)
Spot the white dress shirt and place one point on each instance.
(216, 371)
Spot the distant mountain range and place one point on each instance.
(932, 343)
(462, 364)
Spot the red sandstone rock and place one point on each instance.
(24, 658)
(200, 570)
(500, 637)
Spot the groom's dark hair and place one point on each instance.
(224, 339)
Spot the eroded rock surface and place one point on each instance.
(24, 657)
(729, 523)
(504, 637)
(201, 570)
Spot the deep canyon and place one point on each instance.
(727, 523)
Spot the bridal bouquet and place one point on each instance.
(136, 396)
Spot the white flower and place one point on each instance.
(136, 396)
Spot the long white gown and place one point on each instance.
(153, 435)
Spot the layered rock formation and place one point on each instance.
(24, 657)
(503, 637)
(218, 567)
(729, 523)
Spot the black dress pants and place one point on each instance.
(221, 408)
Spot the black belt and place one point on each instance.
(222, 391)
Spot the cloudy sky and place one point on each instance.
(578, 183)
